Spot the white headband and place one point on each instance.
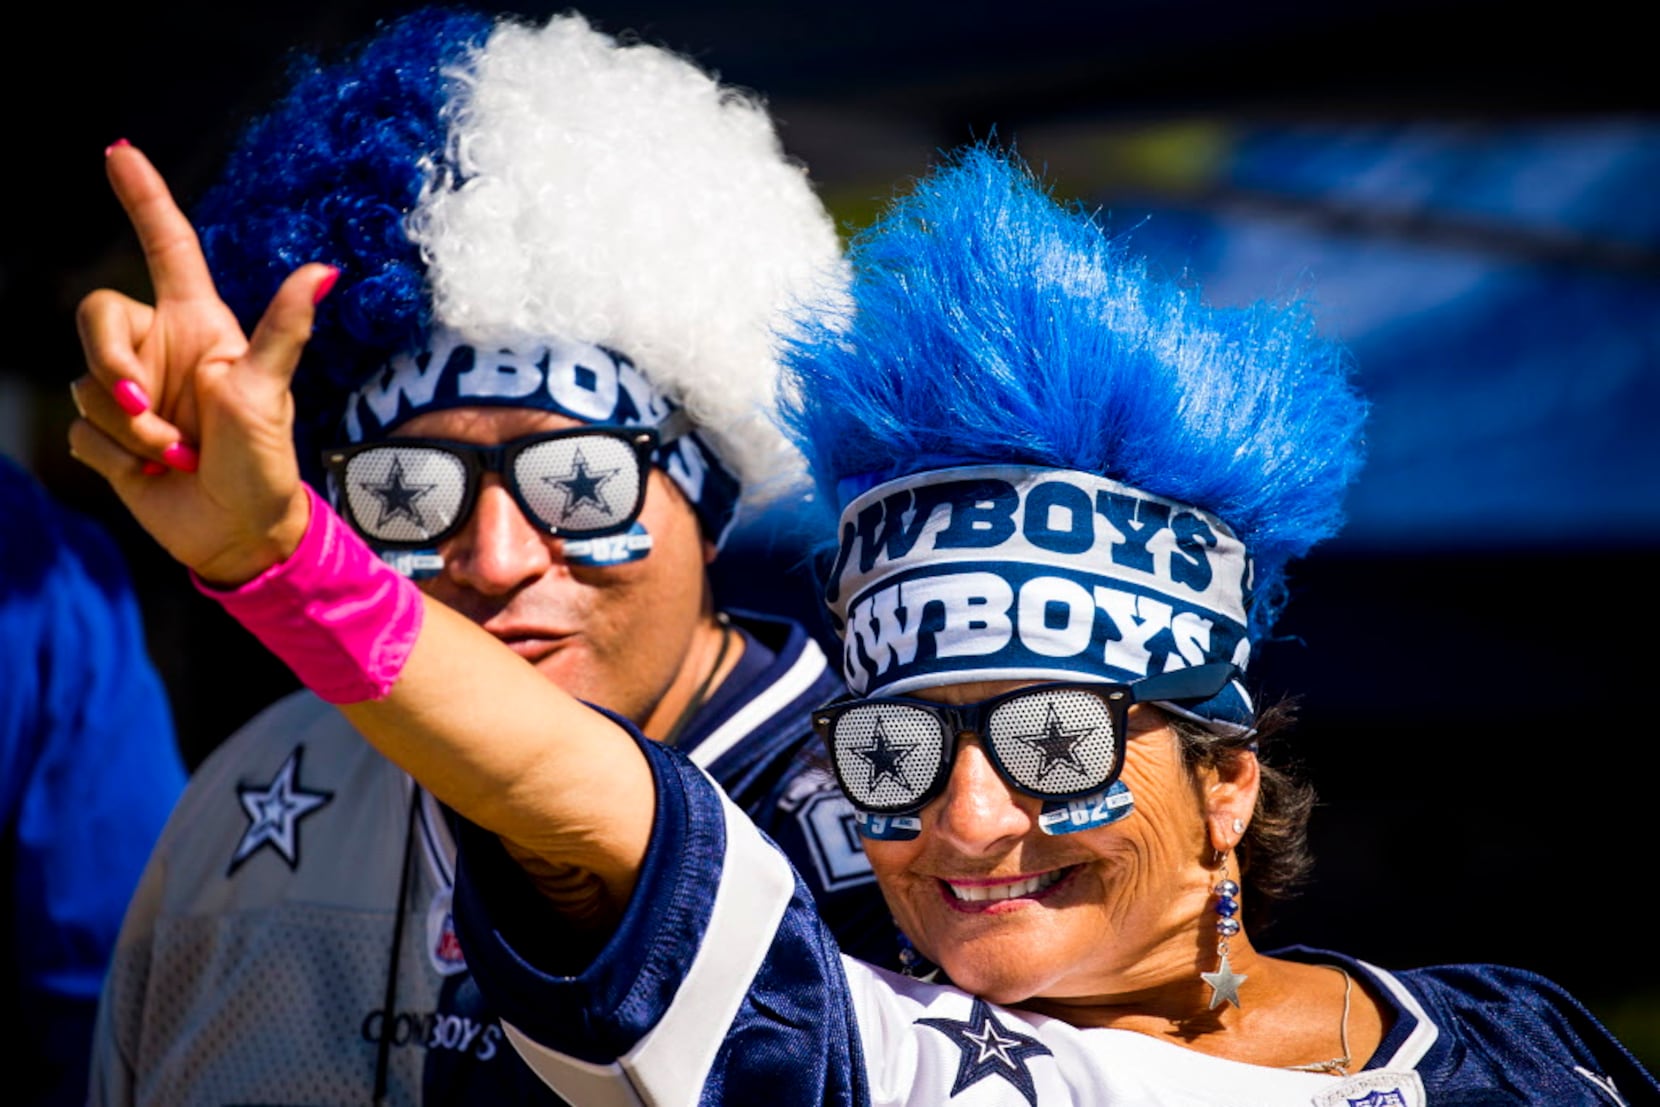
(1009, 572)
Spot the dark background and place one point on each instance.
(1470, 193)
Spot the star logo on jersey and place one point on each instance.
(397, 496)
(884, 756)
(1056, 745)
(990, 1049)
(582, 486)
(274, 812)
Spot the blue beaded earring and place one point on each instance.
(1224, 982)
(912, 963)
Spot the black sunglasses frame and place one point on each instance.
(477, 460)
(1192, 684)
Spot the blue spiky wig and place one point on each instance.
(601, 229)
(1049, 461)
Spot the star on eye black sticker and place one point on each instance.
(397, 497)
(274, 812)
(885, 757)
(1057, 745)
(990, 1049)
(582, 486)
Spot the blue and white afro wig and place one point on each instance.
(537, 190)
(1050, 462)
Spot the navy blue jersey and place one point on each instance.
(1496, 1034)
(722, 984)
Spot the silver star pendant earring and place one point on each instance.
(1224, 982)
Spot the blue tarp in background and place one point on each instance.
(1500, 288)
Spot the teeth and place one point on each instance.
(975, 893)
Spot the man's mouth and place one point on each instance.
(532, 645)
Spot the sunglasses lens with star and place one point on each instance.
(886, 754)
(1056, 743)
(574, 484)
(404, 494)
(581, 485)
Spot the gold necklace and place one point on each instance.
(1336, 1066)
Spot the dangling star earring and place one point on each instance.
(1224, 982)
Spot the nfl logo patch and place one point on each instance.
(1379, 1088)
(443, 947)
(1391, 1098)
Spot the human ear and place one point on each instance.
(1229, 793)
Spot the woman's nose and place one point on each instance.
(978, 810)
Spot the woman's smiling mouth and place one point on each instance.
(978, 894)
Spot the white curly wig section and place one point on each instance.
(617, 194)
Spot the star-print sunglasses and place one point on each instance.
(1058, 741)
(586, 482)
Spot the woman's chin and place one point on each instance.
(1004, 984)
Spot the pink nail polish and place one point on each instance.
(324, 286)
(180, 457)
(153, 468)
(131, 397)
(114, 146)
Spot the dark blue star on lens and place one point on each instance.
(1057, 745)
(885, 756)
(990, 1049)
(582, 486)
(397, 496)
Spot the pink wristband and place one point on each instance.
(334, 612)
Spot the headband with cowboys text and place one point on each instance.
(582, 381)
(1010, 572)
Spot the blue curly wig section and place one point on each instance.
(328, 173)
(990, 324)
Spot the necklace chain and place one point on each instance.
(701, 696)
(1336, 1066)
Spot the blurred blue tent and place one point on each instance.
(1499, 285)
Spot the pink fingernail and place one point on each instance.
(153, 468)
(180, 457)
(114, 146)
(131, 397)
(324, 286)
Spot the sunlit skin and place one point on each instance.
(1121, 934)
(637, 637)
(1140, 881)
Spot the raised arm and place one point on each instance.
(190, 421)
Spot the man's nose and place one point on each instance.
(499, 550)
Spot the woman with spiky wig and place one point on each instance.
(1067, 494)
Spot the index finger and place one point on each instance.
(178, 271)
